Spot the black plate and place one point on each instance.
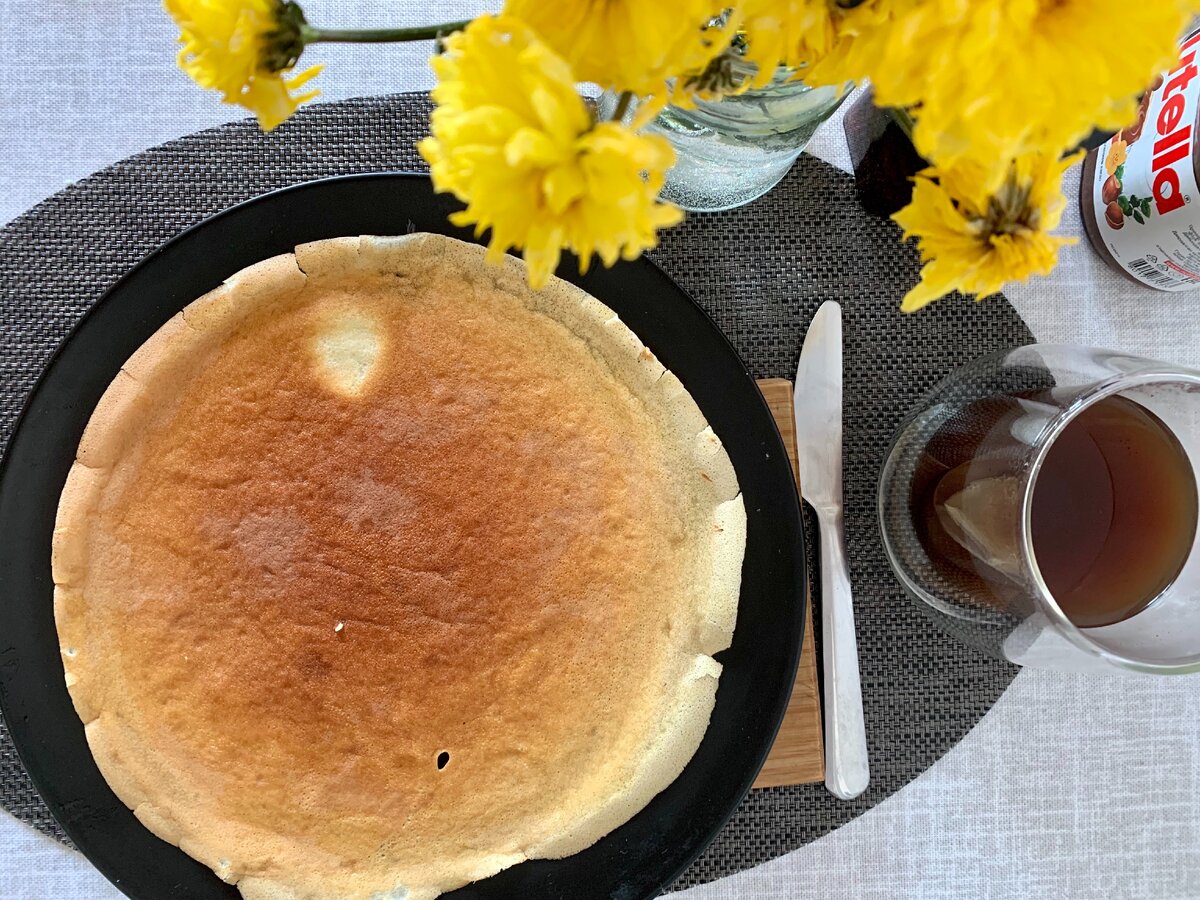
(637, 860)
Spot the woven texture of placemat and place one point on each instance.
(761, 271)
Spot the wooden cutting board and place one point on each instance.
(798, 755)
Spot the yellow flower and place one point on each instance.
(245, 49)
(995, 79)
(1070, 45)
(974, 241)
(1116, 156)
(515, 142)
(627, 45)
(801, 33)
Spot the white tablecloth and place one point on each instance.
(1073, 786)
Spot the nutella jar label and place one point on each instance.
(1144, 189)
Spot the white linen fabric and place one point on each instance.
(1072, 786)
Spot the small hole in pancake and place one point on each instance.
(443, 760)
(70, 651)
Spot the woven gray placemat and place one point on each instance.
(761, 271)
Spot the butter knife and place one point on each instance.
(818, 408)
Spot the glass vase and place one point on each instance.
(733, 150)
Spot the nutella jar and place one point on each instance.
(1139, 189)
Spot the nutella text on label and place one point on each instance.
(1140, 187)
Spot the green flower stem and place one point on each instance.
(312, 35)
(905, 120)
(622, 105)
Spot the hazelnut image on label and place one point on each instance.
(1111, 189)
(1113, 215)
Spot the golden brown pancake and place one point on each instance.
(378, 572)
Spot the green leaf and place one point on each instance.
(1120, 172)
(1145, 206)
(1137, 217)
(1126, 206)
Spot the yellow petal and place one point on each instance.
(631, 45)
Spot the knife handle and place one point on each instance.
(846, 768)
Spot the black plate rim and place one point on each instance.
(569, 271)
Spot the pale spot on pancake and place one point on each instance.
(365, 500)
(270, 541)
(347, 349)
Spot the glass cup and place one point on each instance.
(733, 150)
(1041, 504)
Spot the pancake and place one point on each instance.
(379, 572)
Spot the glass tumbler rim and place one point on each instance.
(1154, 373)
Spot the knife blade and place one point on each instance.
(818, 407)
